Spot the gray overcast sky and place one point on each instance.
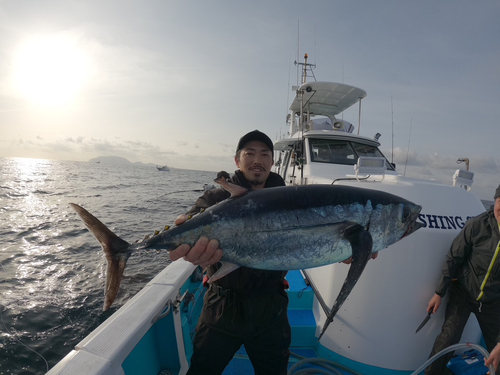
(178, 82)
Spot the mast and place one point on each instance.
(306, 67)
(408, 149)
(300, 93)
(304, 74)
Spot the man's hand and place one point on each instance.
(494, 357)
(434, 303)
(204, 253)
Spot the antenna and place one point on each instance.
(344, 82)
(392, 119)
(408, 149)
(315, 49)
(359, 116)
(298, 48)
(287, 96)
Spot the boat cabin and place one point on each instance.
(321, 156)
(319, 146)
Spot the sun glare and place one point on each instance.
(50, 70)
(28, 167)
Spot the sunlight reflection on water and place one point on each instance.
(52, 270)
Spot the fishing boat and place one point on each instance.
(374, 332)
(163, 168)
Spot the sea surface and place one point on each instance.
(52, 270)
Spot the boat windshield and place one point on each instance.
(342, 152)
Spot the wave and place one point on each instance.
(52, 271)
(37, 191)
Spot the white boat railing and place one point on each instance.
(105, 350)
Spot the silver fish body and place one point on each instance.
(287, 228)
(281, 228)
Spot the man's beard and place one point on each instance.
(257, 181)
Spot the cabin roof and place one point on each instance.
(327, 98)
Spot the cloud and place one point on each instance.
(135, 150)
(81, 148)
(203, 162)
(478, 163)
(441, 168)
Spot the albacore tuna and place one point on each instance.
(281, 228)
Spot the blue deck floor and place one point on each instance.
(240, 365)
(303, 329)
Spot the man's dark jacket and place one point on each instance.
(256, 298)
(470, 256)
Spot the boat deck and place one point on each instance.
(240, 365)
(303, 331)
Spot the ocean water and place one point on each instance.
(52, 270)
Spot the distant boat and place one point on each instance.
(98, 162)
(163, 169)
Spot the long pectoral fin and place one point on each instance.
(223, 271)
(361, 243)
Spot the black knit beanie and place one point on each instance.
(497, 193)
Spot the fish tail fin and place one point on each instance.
(361, 243)
(116, 250)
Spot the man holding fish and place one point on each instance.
(247, 306)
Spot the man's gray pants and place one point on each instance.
(460, 306)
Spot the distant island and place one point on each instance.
(116, 160)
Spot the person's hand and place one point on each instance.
(181, 219)
(494, 357)
(204, 253)
(434, 304)
(349, 260)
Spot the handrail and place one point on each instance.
(164, 313)
(321, 301)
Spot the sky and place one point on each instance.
(179, 82)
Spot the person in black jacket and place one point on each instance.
(247, 306)
(223, 175)
(471, 273)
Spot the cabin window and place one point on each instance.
(292, 155)
(285, 165)
(370, 151)
(331, 151)
(342, 152)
